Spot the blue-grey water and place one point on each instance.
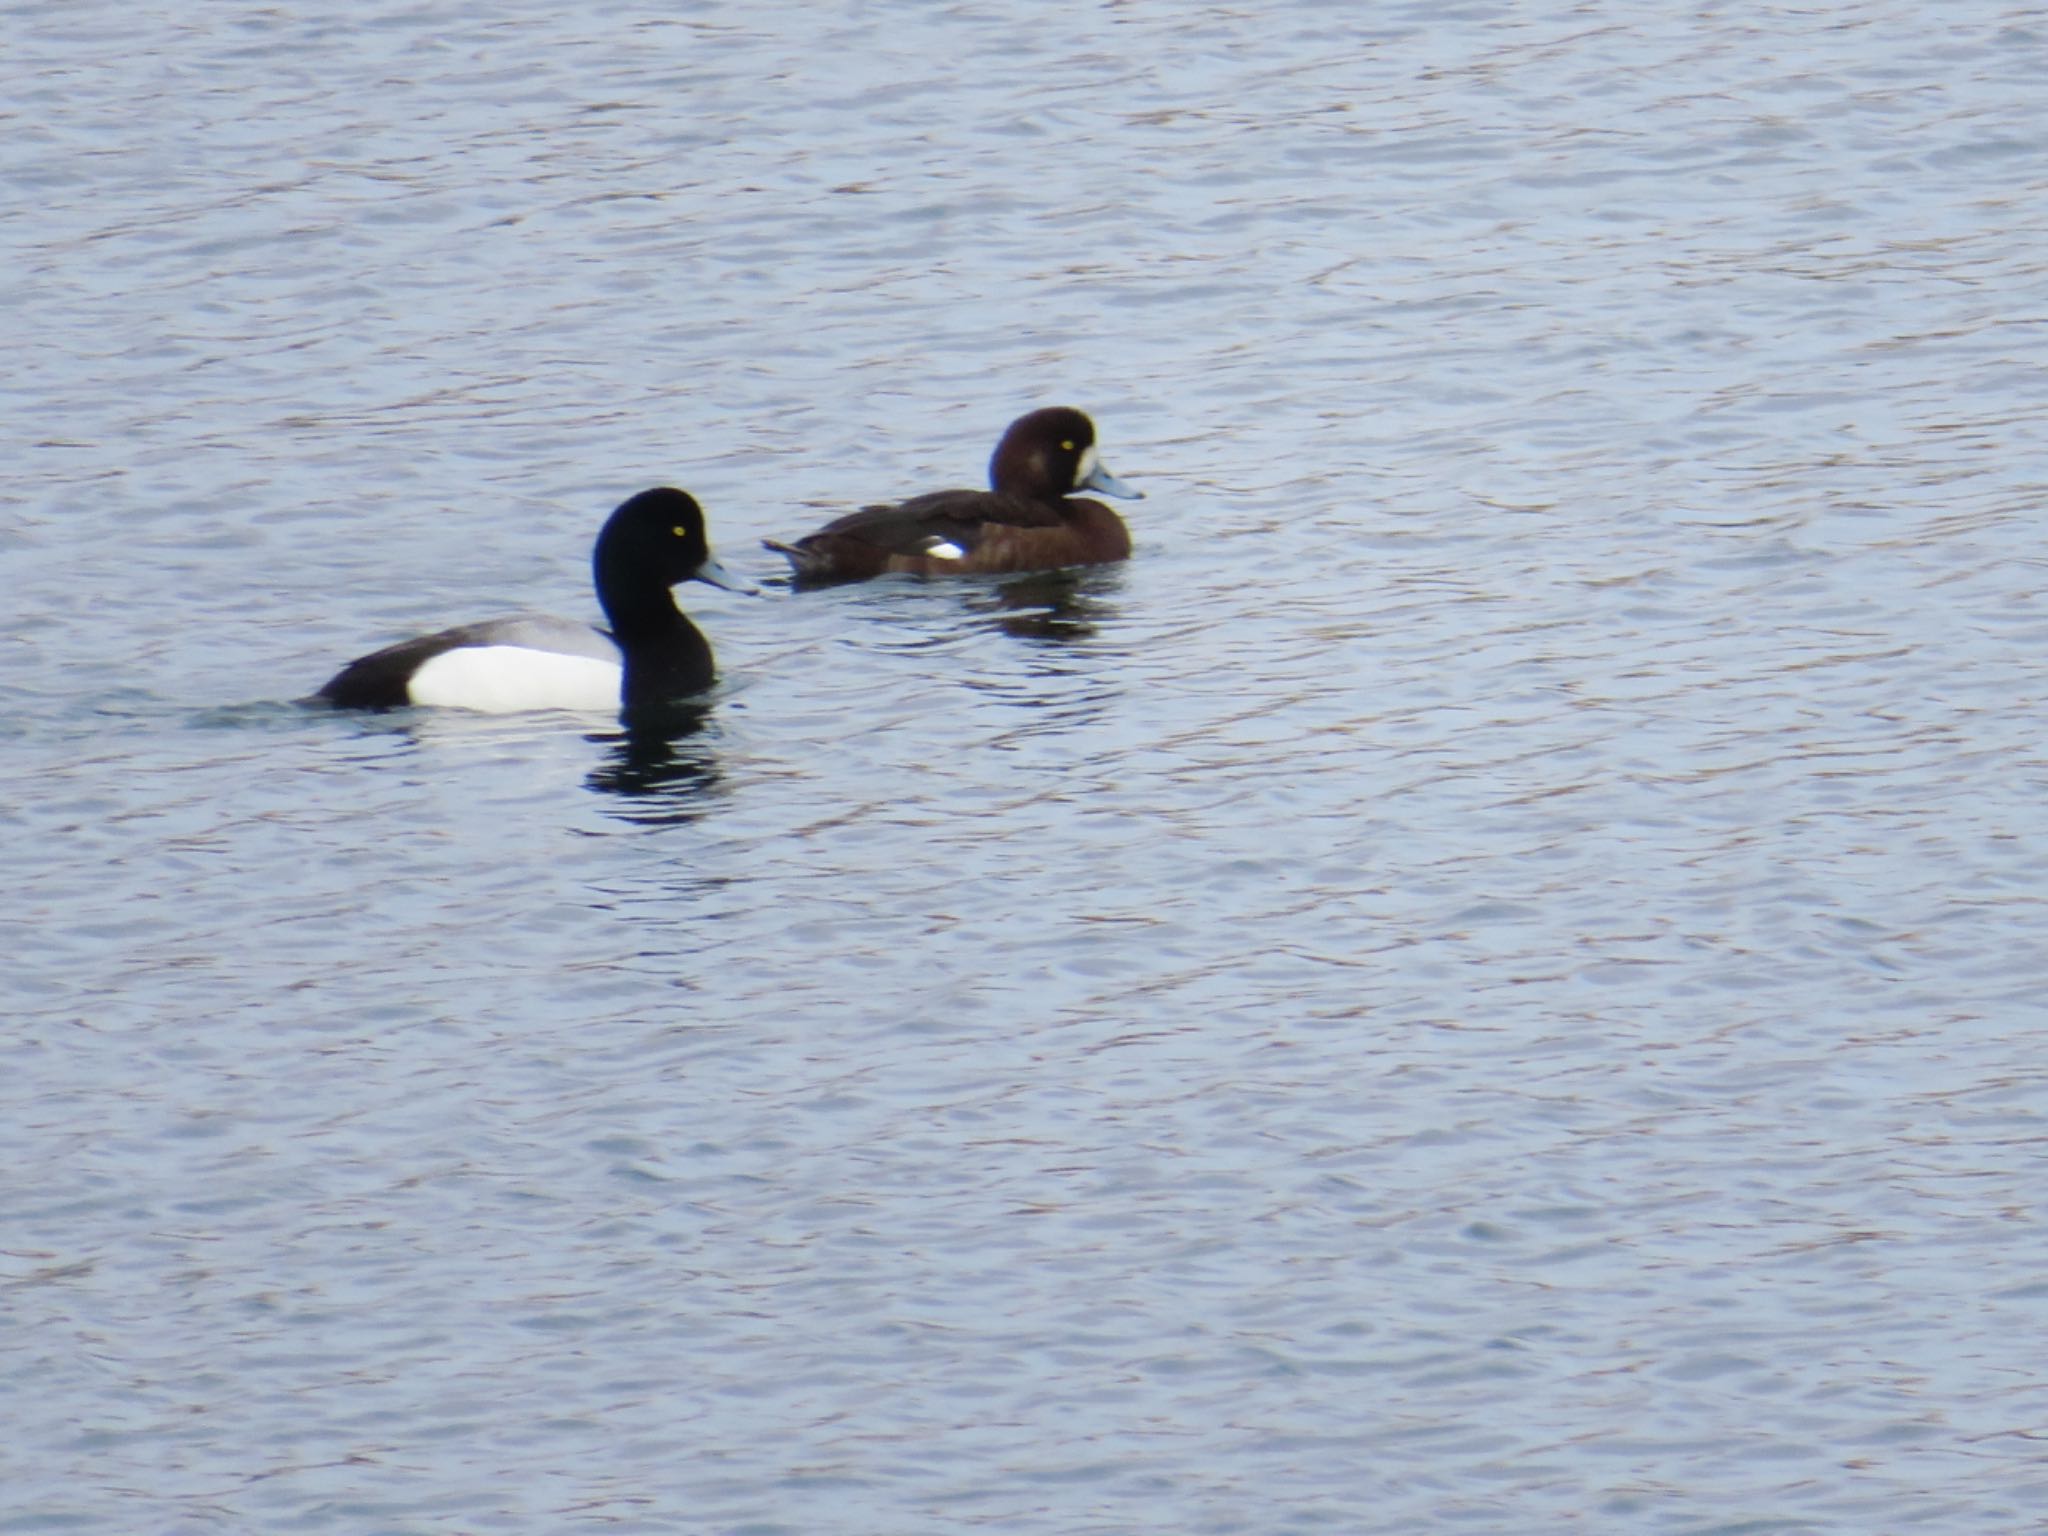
(1494, 978)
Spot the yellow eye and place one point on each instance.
(1066, 447)
(679, 532)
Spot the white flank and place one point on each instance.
(503, 679)
(944, 549)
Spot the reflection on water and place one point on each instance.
(661, 766)
(1050, 606)
(1053, 606)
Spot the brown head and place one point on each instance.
(1050, 454)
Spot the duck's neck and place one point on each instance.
(636, 605)
(663, 655)
(662, 671)
(1099, 527)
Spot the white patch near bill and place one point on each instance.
(503, 679)
(1085, 470)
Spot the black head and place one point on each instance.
(652, 542)
(1050, 454)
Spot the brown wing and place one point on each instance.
(906, 527)
(895, 536)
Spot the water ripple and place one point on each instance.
(1491, 975)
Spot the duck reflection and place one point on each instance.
(1052, 607)
(662, 768)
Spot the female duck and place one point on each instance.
(650, 656)
(1030, 521)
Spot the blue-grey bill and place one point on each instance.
(1100, 479)
(714, 574)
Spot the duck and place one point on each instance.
(1031, 518)
(651, 655)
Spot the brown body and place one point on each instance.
(995, 534)
(1028, 522)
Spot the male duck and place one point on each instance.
(650, 656)
(1029, 521)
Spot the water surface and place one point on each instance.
(1489, 979)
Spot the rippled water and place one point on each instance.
(1491, 979)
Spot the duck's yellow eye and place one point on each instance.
(1066, 447)
(680, 532)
